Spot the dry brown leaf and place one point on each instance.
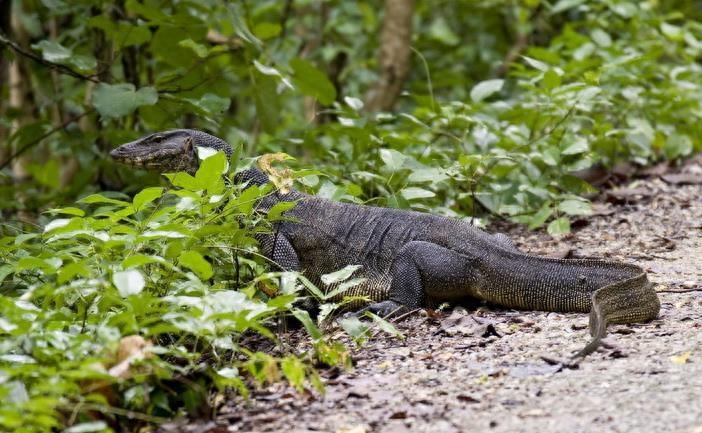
(683, 358)
(281, 178)
(131, 348)
(354, 429)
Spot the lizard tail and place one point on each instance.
(626, 301)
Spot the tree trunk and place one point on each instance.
(20, 102)
(5, 9)
(394, 55)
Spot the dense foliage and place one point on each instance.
(504, 101)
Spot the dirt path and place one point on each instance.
(482, 372)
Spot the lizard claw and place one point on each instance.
(387, 309)
(383, 309)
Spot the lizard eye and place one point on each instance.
(157, 138)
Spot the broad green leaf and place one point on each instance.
(441, 31)
(199, 49)
(354, 327)
(601, 37)
(559, 226)
(210, 173)
(385, 325)
(413, 193)
(393, 159)
(196, 263)
(129, 282)
(67, 211)
(340, 275)
(551, 79)
(575, 207)
(146, 196)
(304, 318)
(53, 51)
(564, 5)
(313, 82)
(486, 88)
(66, 273)
(87, 427)
(267, 30)
(354, 103)
(541, 216)
(536, 64)
(294, 371)
(98, 198)
(117, 100)
(140, 260)
(211, 103)
(579, 145)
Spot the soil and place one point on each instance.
(481, 369)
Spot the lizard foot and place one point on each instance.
(387, 309)
(383, 309)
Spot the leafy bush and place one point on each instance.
(173, 278)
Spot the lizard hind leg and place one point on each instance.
(626, 301)
(424, 270)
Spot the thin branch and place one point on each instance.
(36, 141)
(4, 40)
(284, 19)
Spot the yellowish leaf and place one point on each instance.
(681, 359)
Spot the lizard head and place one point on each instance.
(169, 151)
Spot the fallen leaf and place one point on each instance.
(281, 178)
(683, 178)
(355, 429)
(683, 358)
(131, 348)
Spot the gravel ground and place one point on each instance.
(480, 369)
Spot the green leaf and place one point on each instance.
(354, 327)
(575, 207)
(340, 275)
(564, 5)
(486, 88)
(67, 211)
(536, 64)
(393, 159)
(559, 226)
(601, 37)
(199, 49)
(66, 273)
(140, 260)
(117, 100)
(53, 51)
(146, 196)
(551, 79)
(413, 193)
(294, 371)
(196, 263)
(99, 198)
(313, 82)
(441, 31)
(579, 145)
(674, 33)
(87, 427)
(541, 216)
(386, 326)
(267, 30)
(209, 175)
(129, 282)
(304, 318)
(211, 103)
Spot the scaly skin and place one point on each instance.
(411, 259)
